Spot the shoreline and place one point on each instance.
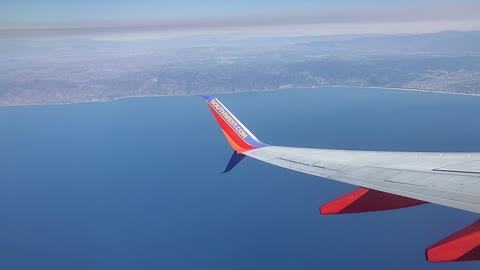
(248, 91)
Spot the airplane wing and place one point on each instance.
(385, 180)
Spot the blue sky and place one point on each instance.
(212, 15)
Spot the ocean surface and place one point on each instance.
(136, 183)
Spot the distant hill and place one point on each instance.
(451, 42)
(43, 72)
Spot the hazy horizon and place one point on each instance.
(146, 19)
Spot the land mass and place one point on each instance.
(70, 71)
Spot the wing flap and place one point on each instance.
(467, 167)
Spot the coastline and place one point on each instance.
(248, 91)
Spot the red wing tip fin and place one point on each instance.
(362, 200)
(339, 205)
(237, 135)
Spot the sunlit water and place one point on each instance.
(135, 183)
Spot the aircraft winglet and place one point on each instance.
(238, 136)
(234, 160)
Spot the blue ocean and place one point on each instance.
(136, 184)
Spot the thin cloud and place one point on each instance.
(326, 17)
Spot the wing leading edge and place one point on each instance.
(392, 179)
